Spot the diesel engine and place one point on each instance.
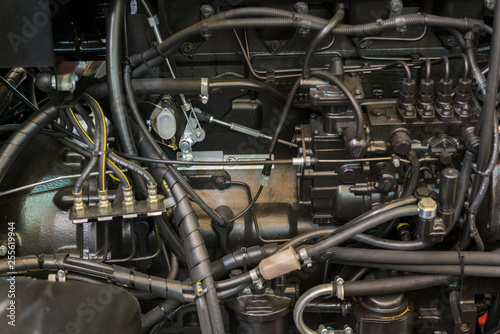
(247, 166)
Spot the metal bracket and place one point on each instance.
(204, 90)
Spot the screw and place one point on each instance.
(464, 327)
(187, 48)
(348, 330)
(220, 181)
(301, 8)
(3, 250)
(451, 42)
(357, 92)
(61, 276)
(396, 6)
(490, 4)
(207, 11)
(275, 46)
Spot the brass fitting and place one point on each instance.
(104, 204)
(128, 199)
(153, 198)
(78, 204)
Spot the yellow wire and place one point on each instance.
(107, 159)
(105, 139)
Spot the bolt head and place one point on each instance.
(396, 6)
(275, 46)
(187, 48)
(301, 8)
(207, 11)
(489, 4)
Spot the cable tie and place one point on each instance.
(155, 46)
(151, 70)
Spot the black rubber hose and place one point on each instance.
(153, 58)
(250, 258)
(89, 168)
(170, 237)
(158, 313)
(94, 159)
(370, 240)
(468, 258)
(236, 281)
(114, 38)
(373, 212)
(168, 46)
(456, 270)
(191, 86)
(15, 77)
(134, 168)
(100, 141)
(247, 84)
(194, 246)
(88, 154)
(349, 230)
(489, 105)
(317, 40)
(31, 90)
(84, 279)
(415, 174)
(358, 112)
(476, 71)
(463, 186)
(21, 137)
(197, 254)
(386, 286)
(493, 317)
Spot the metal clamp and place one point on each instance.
(201, 292)
(153, 21)
(339, 282)
(204, 90)
(254, 275)
(305, 258)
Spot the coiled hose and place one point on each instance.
(21, 137)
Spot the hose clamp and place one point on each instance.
(204, 90)
(339, 282)
(254, 275)
(201, 292)
(305, 258)
(305, 27)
